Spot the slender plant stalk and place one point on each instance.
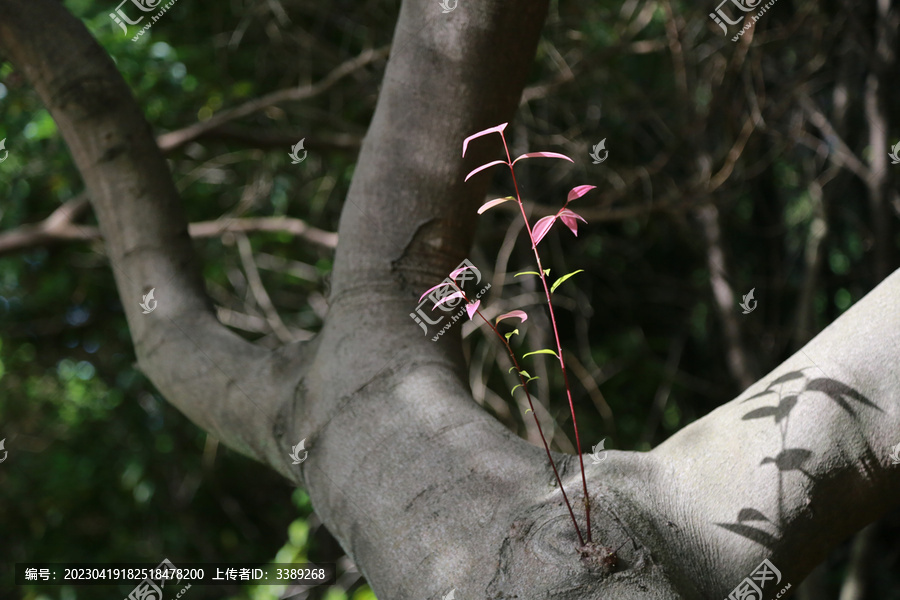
(562, 364)
(512, 355)
(535, 234)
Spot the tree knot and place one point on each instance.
(599, 558)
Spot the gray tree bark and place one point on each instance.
(423, 489)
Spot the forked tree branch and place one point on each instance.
(226, 385)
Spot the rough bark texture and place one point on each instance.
(443, 496)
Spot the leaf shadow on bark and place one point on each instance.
(789, 459)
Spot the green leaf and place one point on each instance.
(544, 351)
(511, 333)
(530, 379)
(546, 271)
(527, 273)
(511, 369)
(563, 278)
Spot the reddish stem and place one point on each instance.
(562, 364)
(531, 405)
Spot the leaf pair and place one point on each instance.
(499, 129)
(523, 374)
(518, 158)
(568, 217)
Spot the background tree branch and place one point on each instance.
(58, 228)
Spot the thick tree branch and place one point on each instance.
(224, 384)
(464, 495)
(805, 460)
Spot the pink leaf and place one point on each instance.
(431, 289)
(492, 203)
(460, 270)
(579, 191)
(541, 228)
(471, 308)
(569, 219)
(543, 155)
(497, 129)
(520, 314)
(447, 299)
(483, 167)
